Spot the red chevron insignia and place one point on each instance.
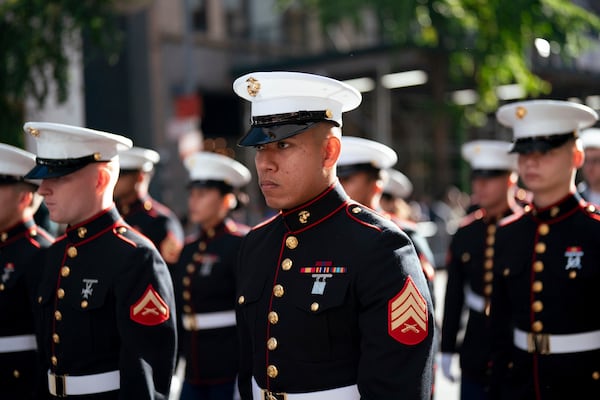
(150, 309)
(407, 315)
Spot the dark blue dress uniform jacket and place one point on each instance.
(548, 282)
(18, 247)
(300, 334)
(95, 277)
(158, 223)
(469, 264)
(204, 281)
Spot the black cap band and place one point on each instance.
(53, 168)
(9, 179)
(343, 171)
(489, 173)
(543, 144)
(209, 183)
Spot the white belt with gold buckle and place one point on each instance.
(13, 344)
(545, 343)
(342, 393)
(219, 319)
(70, 385)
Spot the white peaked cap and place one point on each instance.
(207, 166)
(138, 158)
(356, 150)
(489, 155)
(590, 138)
(397, 184)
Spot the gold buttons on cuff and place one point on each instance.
(65, 271)
(57, 315)
(72, 252)
(272, 371)
(537, 326)
(291, 242)
(60, 293)
(241, 300)
(272, 344)
(286, 264)
(278, 290)
(273, 317)
(314, 307)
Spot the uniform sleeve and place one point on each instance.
(395, 322)
(146, 321)
(454, 298)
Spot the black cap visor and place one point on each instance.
(488, 173)
(541, 144)
(54, 168)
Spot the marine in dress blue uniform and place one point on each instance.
(142, 211)
(546, 263)
(205, 278)
(20, 241)
(469, 265)
(104, 306)
(332, 302)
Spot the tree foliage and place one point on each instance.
(34, 36)
(487, 42)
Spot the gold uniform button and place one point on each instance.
(491, 229)
(537, 326)
(191, 268)
(465, 257)
(506, 271)
(554, 211)
(572, 274)
(487, 290)
(273, 317)
(72, 252)
(356, 210)
(187, 309)
(272, 371)
(186, 295)
(54, 360)
(33, 232)
(540, 248)
(537, 286)
(60, 293)
(186, 281)
(1, 287)
(291, 242)
(147, 205)
(314, 307)
(595, 375)
(278, 291)
(490, 240)
(81, 232)
(202, 246)
(55, 338)
(57, 315)
(538, 266)
(489, 252)
(84, 303)
(4, 236)
(488, 276)
(488, 264)
(40, 299)
(16, 374)
(537, 306)
(272, 344)
(210, 233)
(241, 300)
(543, 229)
(65, 271)
(286, 264)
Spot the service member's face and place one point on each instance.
(205, 206)
(72, 198)
(591, 168)
(125, 187)
(550, 172)
(293, 171)
(491, 192)
(360, 187)
(9, 211)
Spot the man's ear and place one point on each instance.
(578, 157)
(103, 178)
(333, 147)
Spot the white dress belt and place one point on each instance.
(474, 301)
(70, 385)
(219, 319)
(13, 344)
(342, 393)
(545, 343)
